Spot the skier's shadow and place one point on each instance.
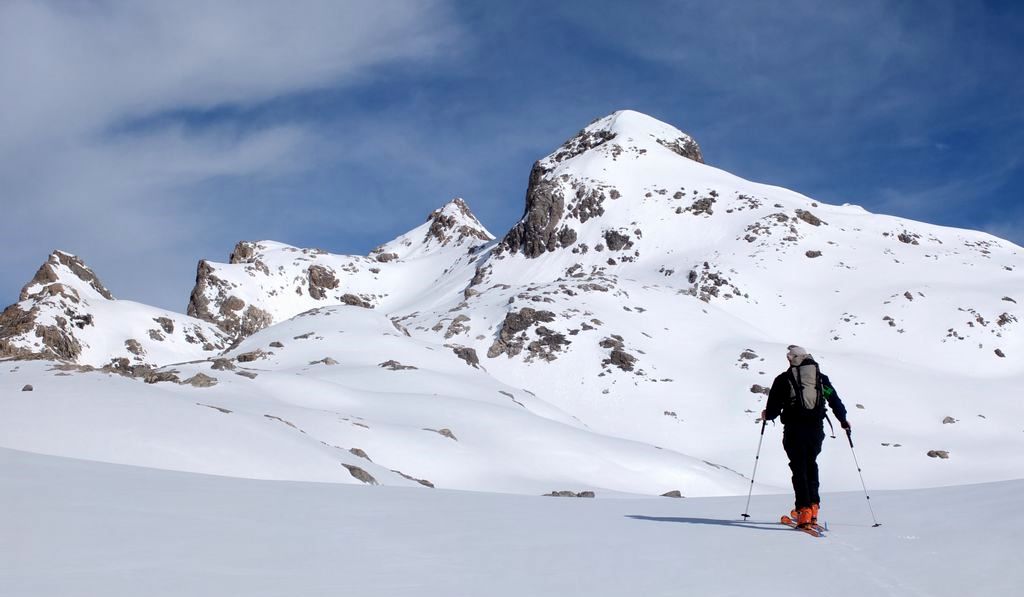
(761, 526)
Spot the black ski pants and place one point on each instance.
(802, 442)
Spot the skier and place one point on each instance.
(799, 395)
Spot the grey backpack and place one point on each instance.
(805, 386)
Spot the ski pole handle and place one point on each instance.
(849, 436)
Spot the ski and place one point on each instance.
(814, 530)
(821, 528)
(788, 520)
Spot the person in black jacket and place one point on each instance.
(799, 395)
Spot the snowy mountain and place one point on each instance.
(267, 282)
(618, 339)
(66, 313)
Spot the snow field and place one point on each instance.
(85, 528)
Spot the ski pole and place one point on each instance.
(849, 437)
(764, 422)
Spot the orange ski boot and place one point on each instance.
(803, 518)
(814, 513)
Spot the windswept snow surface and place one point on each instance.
(83, 528)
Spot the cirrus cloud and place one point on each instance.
(106, 146)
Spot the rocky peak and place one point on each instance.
(454, 223)
(451, 225)
(51, 307)
(66, 275)
(569, 186)
(65, 313)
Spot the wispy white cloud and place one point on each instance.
(79, 66)
(97, 150)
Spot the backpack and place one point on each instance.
(805, 393)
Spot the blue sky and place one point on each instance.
(147, 136)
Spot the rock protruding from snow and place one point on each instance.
(66, 313)
(538, 231)
(212, 300)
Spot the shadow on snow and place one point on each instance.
(761, 526)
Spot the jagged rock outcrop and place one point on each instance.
(685, 146)
(65, 313)
(511, 334)
(321, 279)
(232, 315)
(537, 232)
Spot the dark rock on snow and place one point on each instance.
(360, 474)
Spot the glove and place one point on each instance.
(846, 425)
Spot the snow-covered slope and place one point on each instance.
(81, 528)
(313, 399)
(66, 313)
(623, 332)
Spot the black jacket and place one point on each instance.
(779, 398)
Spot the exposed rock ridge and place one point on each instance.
(232, 315)
(537, 231)
(684, 146)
